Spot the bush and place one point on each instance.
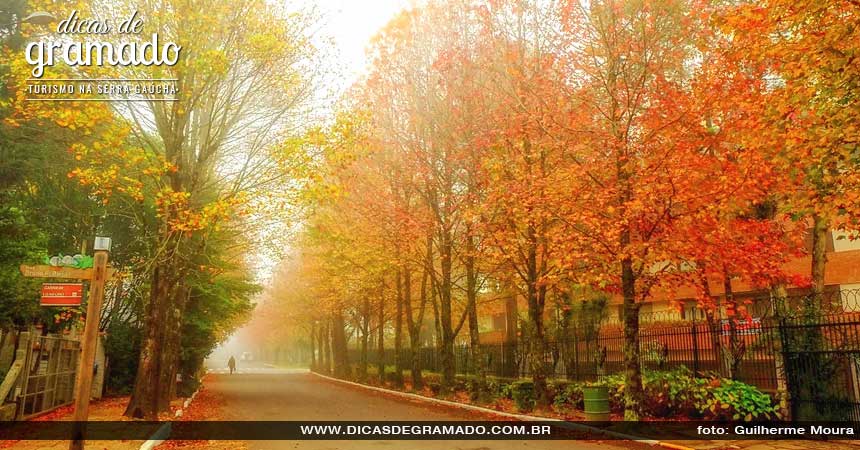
(679, 393)
(568, 396)
(523, 393)
(433, 381)
(506, 391)
(615, 383)
(496, 386)
(733, 400)
(676, 392)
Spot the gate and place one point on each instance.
(822, 364)
(49, 375)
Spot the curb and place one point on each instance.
(521, 417)
(163, 432)
(157, 438)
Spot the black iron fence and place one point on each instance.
(822, 367)
(809, 347)
(746, 354)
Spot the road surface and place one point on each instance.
(260, 393)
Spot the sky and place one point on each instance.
(352, 23)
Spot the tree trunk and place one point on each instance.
(148, 386)
(437, 320)
(171, 354)
(339, 351)
(735, 350)
(511, 333)
(820, 236)
(398, 331)
(537, 349)
(413, 324)
(325, 342)
(365, 338)
(446, 352)
(313, 347)
(479, 386)
(712, 318)
(778, 294)
(633, 392)
(381, 334)
(535, 297)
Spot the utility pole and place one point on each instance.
(84, 381)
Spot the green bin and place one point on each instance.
(596, 403)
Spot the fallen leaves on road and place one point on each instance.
(206, 406)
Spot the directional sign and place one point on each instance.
(62, 294)
(60, 272)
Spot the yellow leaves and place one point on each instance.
(263, 45)
(183, 216)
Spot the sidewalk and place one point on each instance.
(205, 407)
(100, 410)
(769, 445)
(679, 444)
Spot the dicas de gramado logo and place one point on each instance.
(40, 54)
(87, 42)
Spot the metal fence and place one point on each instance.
(815, 355)
(749, 353)
(822, 367)
(49, 375)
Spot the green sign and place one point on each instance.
(76, 261)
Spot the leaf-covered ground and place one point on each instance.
(103, 409)
(207, 405)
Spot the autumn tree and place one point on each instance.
(414, 114)
(638, 159)
(237, 89)
(805, 52)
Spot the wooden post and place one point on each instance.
(84, 381)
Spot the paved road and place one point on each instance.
(260, 393)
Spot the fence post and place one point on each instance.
(25, 346)
(695, 337)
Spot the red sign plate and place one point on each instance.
(62, 294)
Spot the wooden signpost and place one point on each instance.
(97, 275)
(60, 272)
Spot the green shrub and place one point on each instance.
(506, 391)
(463, 382)
(615, 383)
(672, 393)
(557, 386)
(569, 396)
(523, 393)
(733, 400)
(677, 393)
(433, 381)
(494, 386)
(391, 375)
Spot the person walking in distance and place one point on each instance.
(232, 364)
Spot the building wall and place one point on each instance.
(842, 242)
(842, 271)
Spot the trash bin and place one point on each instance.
(596, 400)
